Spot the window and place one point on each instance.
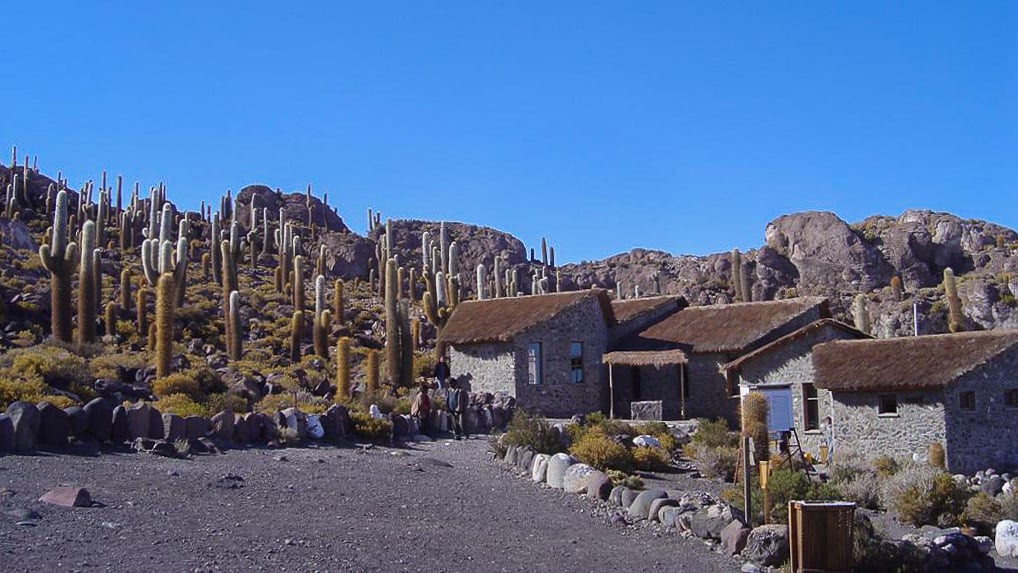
(534, 367)
(576, 362)
(1011, 398)
(888, 405)
(810, 407)
(967, 400)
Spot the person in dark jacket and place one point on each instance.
(441, 372)
(456, 405)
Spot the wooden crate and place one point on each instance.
(820, 536)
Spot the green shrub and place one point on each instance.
(714, 462)
(714, 434)
(982, 513)
(15, 389)
(226, 401)
(532, 431)
(929, 499)
(651, 459)
(178, 384)
(370, 428)
(602, 452)
(181, 405)
(1009, 506)
(48, 363)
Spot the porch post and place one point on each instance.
(611, 392)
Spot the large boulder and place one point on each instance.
(1006, 538)
(337, 423)
(615, 495)
(155, 423)
(708, 522)
(510, 455)
(139, 421)
(557, 466)
(78, 420)
(120, 428)
(6, 433)
(222, 425)
(100, 418)
(25, 418)
(174, 428)
(539, 469)
(767, 545)
(524, 458)
(54, 425)
(734, 537)
(575, 479)
(296, 421)
(197, 427)
(598, 486)
(641, 505)
(653, 514)
(241, 434)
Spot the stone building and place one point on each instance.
(545, 350)
(897, 396)
(783, 372)
(680, 359)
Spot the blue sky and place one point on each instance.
(604, 126)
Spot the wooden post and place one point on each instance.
(765, 471)
(682, 391)
(611, 393)
(746, 485)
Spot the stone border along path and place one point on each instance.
(429, 507)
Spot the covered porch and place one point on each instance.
(645, 375)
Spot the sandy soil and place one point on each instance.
(437, 507)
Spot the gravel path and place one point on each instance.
(437, 507)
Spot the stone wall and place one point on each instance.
(918, 423)
(504, 367)
(791, 365)
(988, 435)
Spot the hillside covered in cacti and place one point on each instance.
(269, 299)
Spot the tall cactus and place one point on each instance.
(59, 257)
(482, 281)
(342, 369)
(320, 333)
(296, 335)
(125, 290)
(392, 339)
(234, 349)
(110, 318)
(338, 302)
(298, 283)
(165, 308)
(955, 318)
(215, 249)
(737, 283)
(371, 384)
(86, 286)
(142, 309)
(860, 313)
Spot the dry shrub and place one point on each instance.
(370, 428)
(715, 462)
(59, 400)
(181, 405)
(855, 479)
(885, 466)
(714, 434)
(924, 495)
(982, 513)
(652, 459)
(15, 389)
(602, 452)
(178, 384)
(532, 431)
(937, 456)
(226, 401)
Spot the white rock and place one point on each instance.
(645, 441)
(575, 478)
(557, 466)
(1006, 541)
(539, 468)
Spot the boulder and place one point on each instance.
(524, 458)
(992, 485)
(155, 423)
(557, 466)
(222, 425)
(510, 455)
(646, 441)
(640, 507)
(174, 428)
(708, 522)
(54, 426)
(25, 418)
(767, 545)
(575, 479)
(6, 433)
(1006, 538)
(598, 486)
(628, 497)
(615, 495)
(68, 497)
(120, 429)
(78, 420)
(668, 516)
(337, 423)
(655, 507)
(261, 427)
(139, 420)
(734, 537)
(539, 469)
(241, 435)
(197, 427)
(100, 419)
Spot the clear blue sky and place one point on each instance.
(677, 126)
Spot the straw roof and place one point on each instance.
(724, 328)
(792, 337)
(645, 358)
(626, 310)
(502, 319)
(907, 363)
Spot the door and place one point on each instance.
(780, 417)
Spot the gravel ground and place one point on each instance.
(436, 507)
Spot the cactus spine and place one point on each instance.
(58, 257)
(342, 369)
(165, 306)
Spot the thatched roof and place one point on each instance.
(645, 358)
(724, 328)
(792, 337)
(502, 319)
(626, 310)
(907, 363)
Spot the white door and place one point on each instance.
(779, 404)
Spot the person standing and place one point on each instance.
(456, 405)
(421, 408)
(441, 372)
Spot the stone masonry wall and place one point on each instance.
(988, 435)
(485, 367)
(791, 364)
(918, 423)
